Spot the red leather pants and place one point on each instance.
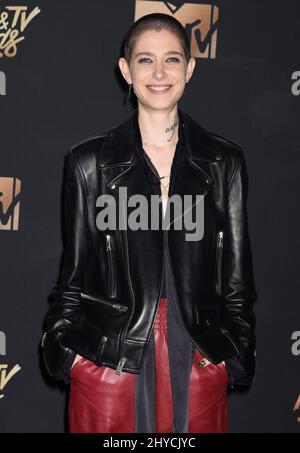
(104, 402)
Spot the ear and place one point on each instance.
(124, 68)
(190, 68)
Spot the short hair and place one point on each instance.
(157, 22)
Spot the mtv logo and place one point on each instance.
(10, 189)
(200, 22)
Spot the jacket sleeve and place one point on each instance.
(65, 296)
(238, 284)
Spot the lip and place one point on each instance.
(159, 91)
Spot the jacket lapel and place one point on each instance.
(122, 167)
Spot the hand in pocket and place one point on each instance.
(204, 362)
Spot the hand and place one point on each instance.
(297, 407)
(77, 358)
(207, 362)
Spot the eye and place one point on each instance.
(174, 58)
(143, 59)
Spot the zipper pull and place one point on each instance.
(220, 238)
(108, 246)
(120, 365)
(120, 307)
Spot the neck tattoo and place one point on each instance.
(171, 128)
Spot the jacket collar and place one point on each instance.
(118, 159)
(118, 148)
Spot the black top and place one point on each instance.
(152, 173)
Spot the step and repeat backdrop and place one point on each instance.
(59, 84)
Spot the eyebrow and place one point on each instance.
(170, 52)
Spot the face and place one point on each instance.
(158, 69)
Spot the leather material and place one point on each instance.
(100, 400)
(105, 302)
(208, 411)
(108, 403)
(164, 401)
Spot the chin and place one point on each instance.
(160, 105)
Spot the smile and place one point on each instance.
(159, 88)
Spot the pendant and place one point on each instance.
(164, 192)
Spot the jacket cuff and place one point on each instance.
(66, 366)
(236, 372)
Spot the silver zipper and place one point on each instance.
(120, 365)
(125, 327)
(219, 262)
(112, 272)
(116, 306)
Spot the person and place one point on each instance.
(149, 326)
(297, 407)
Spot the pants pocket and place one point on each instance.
(74, 367)
(217, 372)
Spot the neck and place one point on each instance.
(159, 128)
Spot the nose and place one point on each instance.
(158, 72)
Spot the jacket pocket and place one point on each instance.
(218, 270)
(112, 283)
(98, 300)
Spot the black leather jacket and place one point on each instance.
(105, 302)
